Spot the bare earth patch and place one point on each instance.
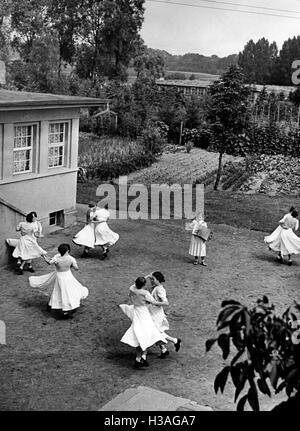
(80, 364)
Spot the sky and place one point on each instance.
(180, 29)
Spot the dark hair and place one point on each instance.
(106, 206)
(92, 204)
(30, 215)
(159, 276)
(292, 209)
(140, 282)
(63, 248)
(294, 213)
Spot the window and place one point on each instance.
(24, 136)
(57, 139)
(57, 218)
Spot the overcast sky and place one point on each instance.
(182, 29)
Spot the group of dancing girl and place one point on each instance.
(147, 295)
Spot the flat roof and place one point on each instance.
(18, 100)
(184, 83)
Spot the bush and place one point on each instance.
(152, 140)
(108, 158)
(188, 146)
(266, 351)
(200, 138)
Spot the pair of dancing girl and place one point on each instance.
(148, 320)
(284, 240)
(96, 231)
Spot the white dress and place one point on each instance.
(66, 290)
(283, 239)
(197, 244)
(142, 331)
(86, 236)
(104, 235)
(27, 247)
(157, 313)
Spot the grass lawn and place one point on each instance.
(255, 212)
(80, 364)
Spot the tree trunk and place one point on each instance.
(219, 172)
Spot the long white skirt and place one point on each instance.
(26, 247)
(159, 318)
(104, 235)
(197, 246)
(283, 240)
(85, 236)
(142, 331)
(67, 291)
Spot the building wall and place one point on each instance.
(44, 190)
(9, 220)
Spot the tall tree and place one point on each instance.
(5, 30)
(149, 64)
(227, 111)
(111, 28)
(290, 51)
(257, 61)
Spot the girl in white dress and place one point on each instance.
(86, 236)
(104, 236)
(142, 333)
(27, 247)
(67, 292)
(197, 244)
(157, 311)
(283, 239)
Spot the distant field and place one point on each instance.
(198, 75)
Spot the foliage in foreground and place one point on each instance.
(266, 351)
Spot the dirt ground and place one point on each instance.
(80, 364)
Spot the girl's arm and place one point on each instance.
(74, 265)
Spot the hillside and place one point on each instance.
(196, 62)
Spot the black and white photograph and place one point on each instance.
(150, 207)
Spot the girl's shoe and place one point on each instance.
(279, 258)
(104, 255)
(48, 307)
(163, 355)
(203, 263)
(177, 345)
(289, 262)
(138, 364)
(196, 262)
(144, 362)
(30, 269)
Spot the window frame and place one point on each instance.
(64, 145)
(34, 138)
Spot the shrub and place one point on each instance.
(152, 140)
(266, 351)
(188, 146)
(108, 158)
(199, 137)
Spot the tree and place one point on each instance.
(267, 352)
(5, 31)
(257, 61)
(290, 51)
(227, 111)
(149, 65)
(111, 28)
